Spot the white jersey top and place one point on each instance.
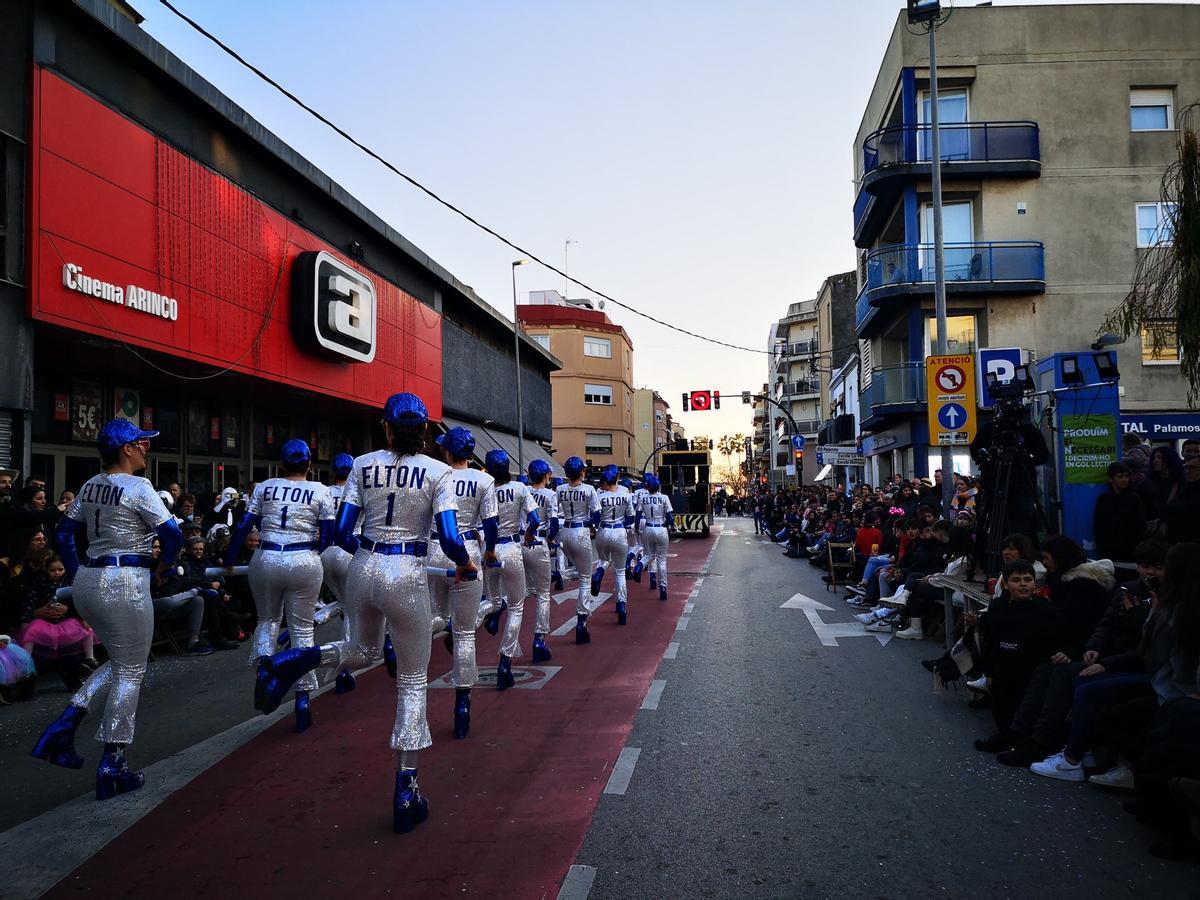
(475, 492)
(516, 502)
(639, 497)
(290, 511)
(547, 501)
(399, 496)
(578, 502)
(616, 506)
(121, 513)
(655, 509)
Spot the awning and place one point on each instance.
(493, 439)
(824, 473)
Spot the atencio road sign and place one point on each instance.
(951, 384)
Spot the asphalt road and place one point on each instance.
(778, 767)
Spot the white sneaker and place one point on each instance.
(866, 618)
(979, 684)
(899, 600)
(1057, 766)
(882, 627)
(914, 631)
(1120, 777)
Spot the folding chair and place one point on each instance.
(841, 557)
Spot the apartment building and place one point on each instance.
(793, 383)
(652, 427)
(592, 394)
(1057, 123)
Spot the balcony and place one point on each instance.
(838, 430)
(803, 426)
(894, 156)
(786, 353)
(894, 390)
(995, 267)
(805, 387)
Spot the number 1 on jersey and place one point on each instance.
(283, 519)
(391, 509)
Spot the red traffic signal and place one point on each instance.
(701, 401)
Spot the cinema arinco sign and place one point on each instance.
(333, 307)
(130, 296)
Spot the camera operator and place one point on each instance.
(1009, 449)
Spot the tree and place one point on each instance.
(728, 445)
(1166, 285)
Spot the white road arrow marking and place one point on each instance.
(828, 633)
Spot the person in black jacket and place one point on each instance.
(1112, 648)
(1018, 633)
(1080, 592)
(1182, 513)
(1120, 517)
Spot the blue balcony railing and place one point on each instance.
(864, 312)
(898, 385)
(979, 142)
(984, 263)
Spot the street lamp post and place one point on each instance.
(517, 356)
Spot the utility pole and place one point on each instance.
(939, 250)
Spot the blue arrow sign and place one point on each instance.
(952, 416)
(797, 442)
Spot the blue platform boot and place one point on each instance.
(556, 579)
(303, 712)
(504, 675)
(491, 622)
(57, 743)
(541, 653)
(277, 674)
(448, 640)
(597, 577)
(113, 776)
(662, 592)
(653, 580)
(582, 636)
(344, 683)
(462, 712)
(389, 656)
(638, 568)
(621, 617)
(284, 638)
(629, 557)
(409, 808)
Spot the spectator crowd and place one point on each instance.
(1089, 665)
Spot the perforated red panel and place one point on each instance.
(129, 209)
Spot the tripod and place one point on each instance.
(997, 519)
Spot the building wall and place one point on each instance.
(644, 433)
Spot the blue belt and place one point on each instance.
(471, 535)
(574, 524)
(612, 525)
(124, 561)
(285, 548)
(408, 548)
(511, 539)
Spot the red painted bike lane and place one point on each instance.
(509, 807)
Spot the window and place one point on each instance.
(1151, 109)
(1155, 224)
(960, 335)
(594, 346)
(597, 394)
(597, 443)
(543, 339)
(1163, 333)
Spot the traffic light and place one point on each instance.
(799, 455)
(716, 399)
(686, 400)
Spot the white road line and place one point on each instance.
(688, 607)
(565, 628)
(672, 650)
(578, 883)
(654, 694)
(682, 624)
(618, 781)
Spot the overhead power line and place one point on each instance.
(433, 194)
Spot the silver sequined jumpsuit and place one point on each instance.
(579, 503)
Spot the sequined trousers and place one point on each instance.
(336, 564)
(116, 603)
(537, 582)
(509, 582)
(612, 548)
(577, 546)
(285, 581)
(655, 539)
(460, 604)
(395, 590)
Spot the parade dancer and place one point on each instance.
(612, 540)
(538, 557)
(518, 510)
(580, 507)
(654, 519)
(121, 515)
(558, 559)
(456, 605)
(635, 563)
(295, 517)
(400, 492)
(336, 563)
